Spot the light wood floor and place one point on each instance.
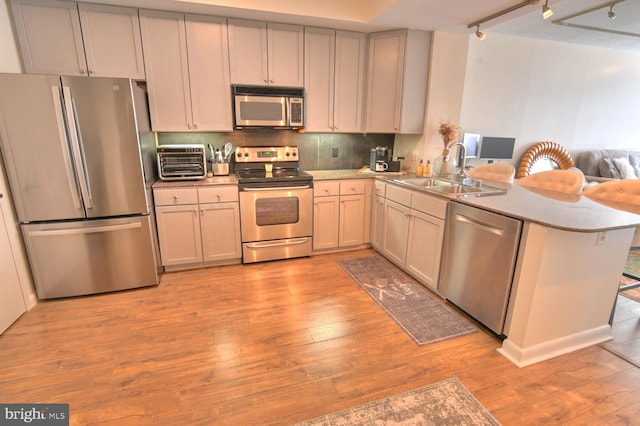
(275, 343)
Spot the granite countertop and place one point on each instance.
(364, 173)
(212, 181)
(570, 212)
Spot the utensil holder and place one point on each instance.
(221, 169)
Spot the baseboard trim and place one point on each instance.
(523, 357)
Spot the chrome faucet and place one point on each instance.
(461, 173)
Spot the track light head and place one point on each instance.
(546, 10)
(610, 14)
(479, 33)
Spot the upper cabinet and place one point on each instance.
(69, 38)
(334, 80)
(397, 81)
(263, 53)
(187, 71)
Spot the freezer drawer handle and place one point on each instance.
(279, 244)
(484, 226)
(92, 230)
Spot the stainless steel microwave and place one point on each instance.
(271, 107)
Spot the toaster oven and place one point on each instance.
(182, 162)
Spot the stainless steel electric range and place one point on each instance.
(276, 203)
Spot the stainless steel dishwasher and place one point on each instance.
(479, 256)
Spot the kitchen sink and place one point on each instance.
(467, 186)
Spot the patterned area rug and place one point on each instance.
(444, 403)
(632, 267)
(424, 318)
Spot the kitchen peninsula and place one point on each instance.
(570, 258)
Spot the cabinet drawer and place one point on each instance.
(175, 196)
(326, 188)
(399, 195)
(218, 194)
(435, 206)
(380, 188)
(352, 186)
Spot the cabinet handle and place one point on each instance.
(195, 126)
(270, 81)
(175, 198)
(189, 126)
(219, 197)
(83, 71)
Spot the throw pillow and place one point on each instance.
(634, 159)
(608, 169)
(625, 168)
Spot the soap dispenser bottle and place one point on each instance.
(427, 169)
(420, 169)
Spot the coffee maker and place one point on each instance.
(379, 153)
(382, 154)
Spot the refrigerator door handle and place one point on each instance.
(64, 142)
(76, 146)
(91, 230)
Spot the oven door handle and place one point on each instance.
(277, 188)
(288, 242)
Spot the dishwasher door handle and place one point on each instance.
(482, 225)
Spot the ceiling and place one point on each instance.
(592, 29)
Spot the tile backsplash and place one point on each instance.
(318, 151)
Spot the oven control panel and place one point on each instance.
(262, 154)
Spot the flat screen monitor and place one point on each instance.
(493, 148)
(470, 142)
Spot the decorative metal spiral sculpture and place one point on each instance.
(547, 149)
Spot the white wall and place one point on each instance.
(10, 62)
(534, 90)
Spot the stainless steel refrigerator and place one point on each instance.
(71, 148)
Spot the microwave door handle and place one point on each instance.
(66, 149)
(287, 118)
(76, 147)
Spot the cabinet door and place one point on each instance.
(424, 247)
(248, 52)
(377, 222)
(112, 41)
(319, 79)
(286, 54)
(179, 234)
(207, 50)
(326, 216)
(49, 36)
(396, 230)
(349, 82)
(352, 220)
(165, 57)
(384, 85)
(11, 301)
(220, 223)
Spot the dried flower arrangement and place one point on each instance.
(449, 132)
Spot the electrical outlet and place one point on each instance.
(334, 151)
(601, 239)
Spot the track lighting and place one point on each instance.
(610, 14)
(546, 10)
(477, 23)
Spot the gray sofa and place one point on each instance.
(598, 165)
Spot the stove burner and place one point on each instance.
(250, 167)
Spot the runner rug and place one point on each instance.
(424, 318)
(444, 403)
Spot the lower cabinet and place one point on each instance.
(341, 213)
(198, 225)
(408, 229)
